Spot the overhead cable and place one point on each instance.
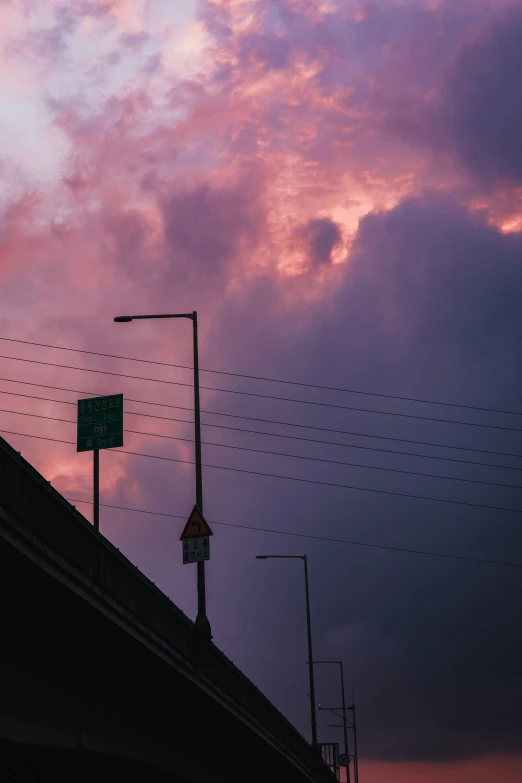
(314, 482)
(307, 440)
(310, 536)
(268, 380)
(283, 454)
(266, 396)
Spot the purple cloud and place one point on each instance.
(428, 306)
(321, 236)
(195, 201)
(483, 110)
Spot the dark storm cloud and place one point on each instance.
(428, 305)
(448, 288)
(321, 236)
(458, 92)
(442, 279)
(483, 112)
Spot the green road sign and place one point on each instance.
(100, 423)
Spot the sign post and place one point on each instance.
(96, 488)
(195, 538)
(100, 426)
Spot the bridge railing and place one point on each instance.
(52, 519)
(330, 755)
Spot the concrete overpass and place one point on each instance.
(101, 675)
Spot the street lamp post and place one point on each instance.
(356, 757)
(202, 622)
(309, 632)
(345, 721)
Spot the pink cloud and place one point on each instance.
(245, 190)
(281, 133)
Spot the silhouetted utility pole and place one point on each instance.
(202, 623)
(96, 488)
(355, 758)
(304, 558)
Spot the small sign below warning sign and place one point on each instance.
(196, 549)
(196, 526)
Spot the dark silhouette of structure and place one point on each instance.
(103, 678)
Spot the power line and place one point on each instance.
(288, 456)
(288, 478)
(262, 421)
(336, 443)
(265, 396)
(268, 380)
(298, 438)
(309, 535)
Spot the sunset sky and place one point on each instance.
(336, 187)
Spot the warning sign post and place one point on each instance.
(195, 538)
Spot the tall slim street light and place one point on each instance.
(345, 721)
(309, 630)
(356, 757)
(202, 622)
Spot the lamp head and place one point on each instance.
(123, 318)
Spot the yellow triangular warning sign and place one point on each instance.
(196, 526)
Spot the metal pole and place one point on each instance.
(355, 756)
(197, 415)
(96, 488)
(310, 656)
(202, 622)
(345, 728)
